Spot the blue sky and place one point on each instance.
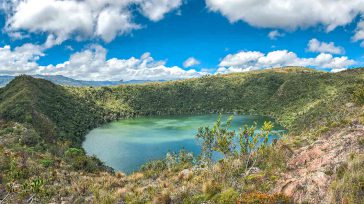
(152, 39)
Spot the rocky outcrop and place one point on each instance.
(312, 168)
(185, 174)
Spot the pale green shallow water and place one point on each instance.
(125, 145)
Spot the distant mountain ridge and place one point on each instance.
(66, 81)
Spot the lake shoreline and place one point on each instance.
(182, 127)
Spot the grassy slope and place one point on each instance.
(304, 100)
(300, 99)
(294, 96)
(49, 108)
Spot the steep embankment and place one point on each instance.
(50, 109)
(313, 168)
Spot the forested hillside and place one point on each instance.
(298, 98)
(295, 96)
(47, 123)
(50, 109)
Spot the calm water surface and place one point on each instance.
(125, 145)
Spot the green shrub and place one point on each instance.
(47, 163)
(182, 159)
(195, 199)
(154, 168)
(80, 161)
(6, 130)
(361, 141)
(211, 188)
(30, 138)
(359, 95)
(156, 165)
(74, 152)
(226, 197)
(37, 186)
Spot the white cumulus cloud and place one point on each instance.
(111, 22)
(61, 18)
(246, 58)
(274, 34)
(19, 60)
(359, 33)
(92, 64)
(289, 14)
(89, 64)
(315, 45)
(247, 61)
(156, 9)
(191, 62)
(64, 19)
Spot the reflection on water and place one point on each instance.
(125, 145)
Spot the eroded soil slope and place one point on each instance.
(312, 168)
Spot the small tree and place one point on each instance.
(222, 140)
(171, 160)
(245, 135)
(180, 159)
(206, 135)
(252, 143)
(219, 139)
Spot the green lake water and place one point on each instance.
(125, 145)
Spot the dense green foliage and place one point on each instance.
(294, 96)
(220, 138)
(51, 109)
(300, 99)
(42, 126)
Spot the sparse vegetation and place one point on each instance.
(349, 184)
